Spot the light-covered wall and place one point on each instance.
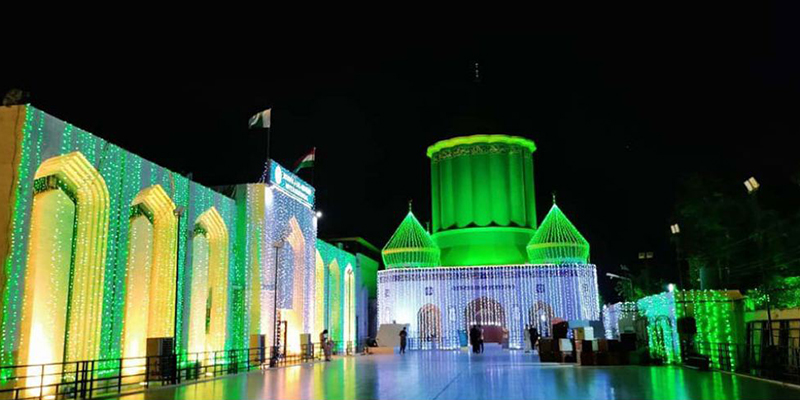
(511, 296)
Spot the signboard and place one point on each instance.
(289, 183)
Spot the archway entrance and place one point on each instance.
(541, 316)
(429, 325)
(488, 313)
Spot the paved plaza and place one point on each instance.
(456, 375)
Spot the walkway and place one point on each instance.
(457, 375)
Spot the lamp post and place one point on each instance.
(752, 186)
(630, 282)
(676, 230)
(273, 360)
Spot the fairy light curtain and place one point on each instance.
(510, 296)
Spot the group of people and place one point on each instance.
(476, 338)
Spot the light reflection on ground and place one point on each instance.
(457, 375)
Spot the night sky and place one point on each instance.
(620, 108)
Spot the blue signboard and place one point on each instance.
(289, 183)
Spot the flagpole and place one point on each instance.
(269, 129)
(314, 167)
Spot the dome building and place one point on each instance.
(486, 261)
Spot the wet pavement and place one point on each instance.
(458, 375)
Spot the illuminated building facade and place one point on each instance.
(486, 261)
(102, 249)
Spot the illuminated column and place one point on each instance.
(294, 315)
(335, 299)
(349, 304)
(319, 297)
(484, 209)
(199, 290)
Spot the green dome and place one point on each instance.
(557, 241)
(411, 246)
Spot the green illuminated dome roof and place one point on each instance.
(557, 241)
(411, 246)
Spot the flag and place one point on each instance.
(306, 161)
(261, 120)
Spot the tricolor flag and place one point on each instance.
(306, 161)
(261, 120)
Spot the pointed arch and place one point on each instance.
(64, 276)
(209, 304)
(150, 277)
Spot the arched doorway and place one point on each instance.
(61, 311)
(209, 295)
(541, 316)
(429, 325)
(150, 272)
(488, 313)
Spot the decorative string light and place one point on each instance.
(489, 295)
(339, 310)
(410, 246)
(613, 314)
(557, 241)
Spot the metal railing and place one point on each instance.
(88, 379)
(772, 362)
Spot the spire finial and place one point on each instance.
(554, 197)
(409, 204)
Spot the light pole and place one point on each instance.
(273, 361)
(752, 186)
(625, 278)
(676, 230)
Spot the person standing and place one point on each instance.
(326, 344)
(526, 339)
(533, 334)
(473, 338)
(403, 339)
(480, 338)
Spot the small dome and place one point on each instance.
(557, 241)
(411, 246)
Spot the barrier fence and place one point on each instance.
(772, 362)
(88, 379)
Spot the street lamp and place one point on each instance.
(625, 278)
(752, 185)
(318, 214)
(671, 287)
(273, 360)
(676, 230)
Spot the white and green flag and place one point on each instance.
(261, 120)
